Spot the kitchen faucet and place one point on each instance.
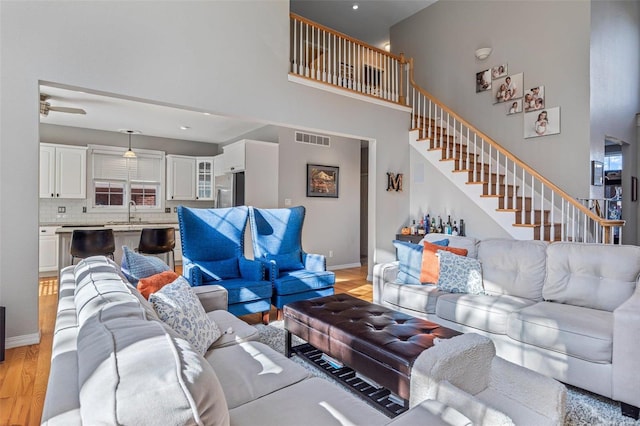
(131, 203)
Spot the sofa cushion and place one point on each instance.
(488, 313)
(598, 276)
(136, 266)
(151, 284)
(459, 274)
(417, 297)
(134, 371)
(178, 307)
(430, 267)
(240, 290)
(571, 330)
(513, 267)
(251, 370)
(234, 330)
(312, 402)
(468, 243)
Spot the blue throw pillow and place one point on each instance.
(287, 261)
(410, 257)
(136, 266)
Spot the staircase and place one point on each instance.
(519, 199)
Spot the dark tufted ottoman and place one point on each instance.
(374, 340)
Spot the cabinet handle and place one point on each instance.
(57, 195)
(172, 197)
(233, 168)
(52, 195)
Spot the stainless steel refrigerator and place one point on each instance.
(230, 190)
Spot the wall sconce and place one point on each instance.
(483, 53)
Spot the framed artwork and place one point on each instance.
(322, 181)
(597, 173)
(507, 88)
(499, 71)
(483, 81)
(534, 99)
(514, 107)
(542, 123)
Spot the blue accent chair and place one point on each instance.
(213, 253)
(277, 241)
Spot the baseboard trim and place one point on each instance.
(23, 340)
(345, 266)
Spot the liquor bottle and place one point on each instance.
(427, 224)
(461, 231)
(448, 225)
(440, 229)
(421, 230)
(414, 228)
(455, 231)
(433, 225)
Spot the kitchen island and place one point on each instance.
(125, 234)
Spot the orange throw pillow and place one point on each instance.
(151, 284)
(430, 270)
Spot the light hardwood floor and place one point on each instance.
(25, 371)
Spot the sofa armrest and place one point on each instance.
(252, 270)
(383, 273)
(213, 297)
(271, 270)
(314, 262)
(626, 347)
(433, 413)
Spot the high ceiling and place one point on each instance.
(370, 23)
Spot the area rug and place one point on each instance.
(583, 407)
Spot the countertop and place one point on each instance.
(117, 227)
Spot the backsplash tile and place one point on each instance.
(74, 215)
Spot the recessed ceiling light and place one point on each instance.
(355, 6)
(184, 127)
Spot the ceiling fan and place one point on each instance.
(45, 107)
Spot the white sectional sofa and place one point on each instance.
(115, 362)
(570, 311)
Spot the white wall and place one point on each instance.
(548, 41)
(331, 224)
(227, 57)
(615, 94)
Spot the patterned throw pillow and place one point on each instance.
(178, 306)
(136, 266)
(459, 274)
(430, 268)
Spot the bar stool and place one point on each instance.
(92, 242)
(158, 240)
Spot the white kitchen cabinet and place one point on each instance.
(218, 165)
(181, 181)
(234, 157)
(48, 249)
(204, 178)
(189, 178)
(63, 171)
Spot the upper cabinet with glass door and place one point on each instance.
(204, 167)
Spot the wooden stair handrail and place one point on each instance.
(506, 153)
(399, 58)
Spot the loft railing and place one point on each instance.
(326, 56)
(536, 202)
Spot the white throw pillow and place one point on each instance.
(178, 306)
(459, 274)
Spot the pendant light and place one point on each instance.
(130, 153)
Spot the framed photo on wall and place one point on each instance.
(483, 81)
(499, 71)
(514, 107)
(507, 88)
(597, 173)
(534, 99)
(322, 181)
(542, 123)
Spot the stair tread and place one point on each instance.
(534, 225)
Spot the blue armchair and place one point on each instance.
(213, 253)
(277, 242)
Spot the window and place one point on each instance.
(116, 181)
(613, 162)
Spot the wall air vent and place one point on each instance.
(312, 139)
